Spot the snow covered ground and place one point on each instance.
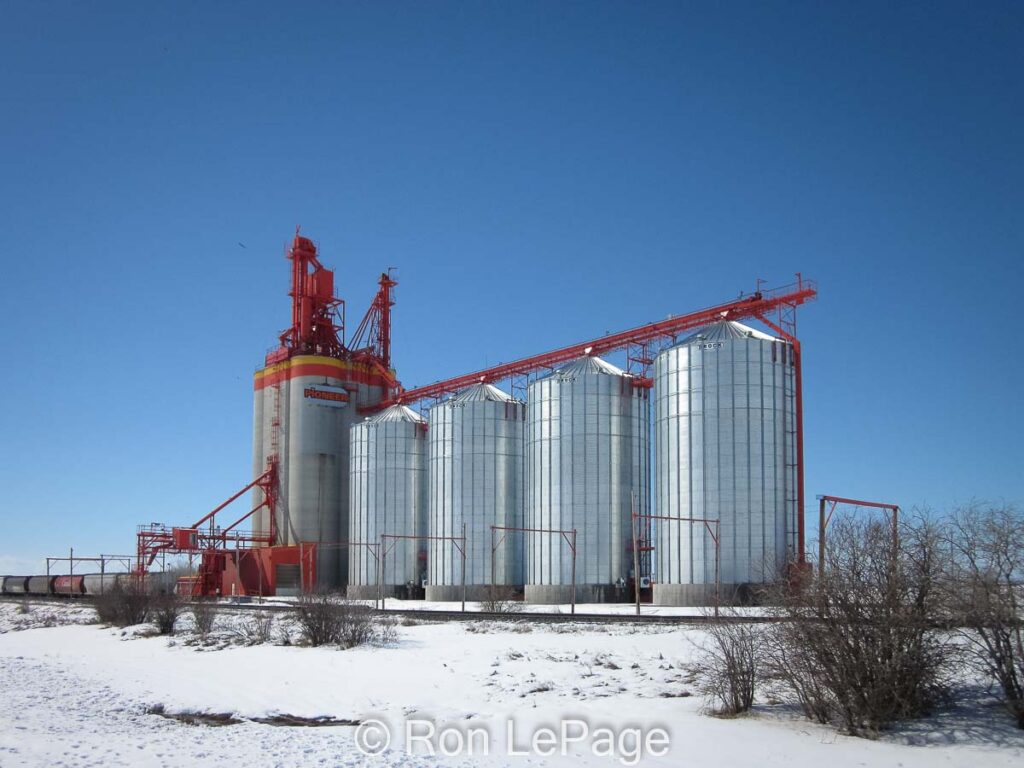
(82, 694)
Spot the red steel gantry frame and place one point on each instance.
(373, 336)
(567, 535)
(714, 533)
(775, 308)
(318, 316)
(372, 340)
(205, 535)
(315, 324)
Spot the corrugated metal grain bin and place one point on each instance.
(388, 495)
(725, 449)
(476, 479)
(587, 445)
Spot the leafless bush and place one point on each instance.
(166, 607)
(501, 599)
(859, 646)
(204, 616)
(258, 629)
(124, 604)
(983, 592)
(319, 617)
(387, 631)
(795, 672)
(732, 659)
(329, 619)
(355, 625)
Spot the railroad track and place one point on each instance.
(445, 616)
(568, 618)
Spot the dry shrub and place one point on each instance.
(983, 592)
(124, 604)
(860, 646)
(387, 631)
(258, 629)
(326, 618)
(166, 607)
(355, 625)
(732, 660)
(204, 616)
(319, 617)
(501, 599)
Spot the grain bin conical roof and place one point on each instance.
(587, 364)
(396, 413)
(726, 330)
(482, 391)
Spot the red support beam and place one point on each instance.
(262, 478)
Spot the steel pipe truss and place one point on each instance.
(829, 504)
(459, 542)
(567, 535)
(715, 537)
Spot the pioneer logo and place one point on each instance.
(331, 396)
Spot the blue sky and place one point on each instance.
(539, 173)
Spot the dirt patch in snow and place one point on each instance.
(217, 719)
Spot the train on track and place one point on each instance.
(90, 584)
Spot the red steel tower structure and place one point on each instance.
(306, 396)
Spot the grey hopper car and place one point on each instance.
(39, 585)
(15, 585)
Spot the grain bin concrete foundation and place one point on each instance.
(558, 594)
(475, 593)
